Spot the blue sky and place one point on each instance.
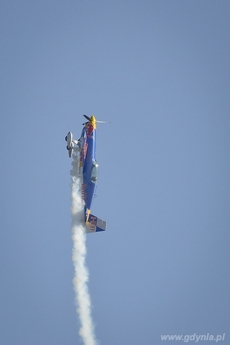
(159, 72)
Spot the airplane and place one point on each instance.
(88, 170)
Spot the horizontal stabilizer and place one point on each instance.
(95, 224)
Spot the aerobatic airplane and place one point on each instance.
(88, 169)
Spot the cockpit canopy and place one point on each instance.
(94, 172)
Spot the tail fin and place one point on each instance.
(95, 224)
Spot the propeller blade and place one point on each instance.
(102, 121)
(87, 117)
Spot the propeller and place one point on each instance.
(97, 121)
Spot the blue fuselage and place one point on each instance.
(89, 165)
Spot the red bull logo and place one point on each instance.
(89, 129)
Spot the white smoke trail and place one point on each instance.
(81, 274)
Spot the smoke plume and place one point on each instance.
(81, 274)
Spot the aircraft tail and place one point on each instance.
(95, 224)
